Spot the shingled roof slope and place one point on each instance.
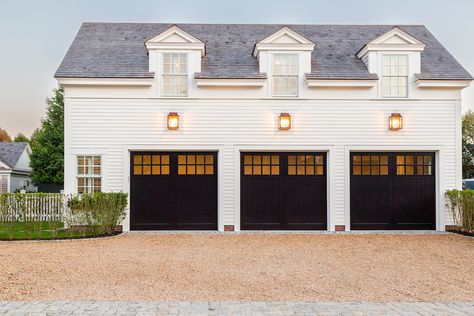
(117, 50)
(11, 152)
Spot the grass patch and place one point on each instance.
(19, 232)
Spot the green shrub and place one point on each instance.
(101, 212)
(461, 206)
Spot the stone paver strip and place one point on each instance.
(235, 308)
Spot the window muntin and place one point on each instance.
(395, 76)
(175, 74)
(370, 165)
(306, 165)
(261, 165)
(285, 75)
(195, 164)
(151, 164)
(89, 179)
(410, 165)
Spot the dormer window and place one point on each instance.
(395, 57)
(395, 76)
(285, 75)
(285, 56)
(175, 74)
(173, 55)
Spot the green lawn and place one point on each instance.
(35, 231)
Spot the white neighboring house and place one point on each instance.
(265, 127)
(15, 170)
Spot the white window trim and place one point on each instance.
(162, 75)
(89, 176)
(271, 65)
(382, 76)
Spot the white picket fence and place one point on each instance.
(33, 207)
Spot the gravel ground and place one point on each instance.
(223, 267)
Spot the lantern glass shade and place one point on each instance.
(284, 121)
(173, 120)
(395, 121)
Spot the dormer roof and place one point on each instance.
(394, 40)
(116, 50)
(175, 38)
(284, 39)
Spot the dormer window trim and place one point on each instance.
(411, 44)
(175, 38)
(273, 42)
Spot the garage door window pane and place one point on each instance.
(266, 170)
(196, 164)
(305, 165)
(413, 165)
(366, 170)
(137, 170)
(375, 170)
(261, 165)
(146, 169)
(151, 165)
(356, 170)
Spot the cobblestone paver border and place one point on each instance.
(234, 308)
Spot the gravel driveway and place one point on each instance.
(256, 267)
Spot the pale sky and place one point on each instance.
(35, 35)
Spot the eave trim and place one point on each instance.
(106, 81)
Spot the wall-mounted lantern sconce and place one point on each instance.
(395, 122)
(173, 120)
(284, 121)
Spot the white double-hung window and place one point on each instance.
(395, 76)
(285, 75)
(175, 74)
(89, 179)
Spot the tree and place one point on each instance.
(47, 144)
(34, 137)
(20, 138)
(4, 137)
(467, 144)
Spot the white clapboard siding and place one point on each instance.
(109, 126)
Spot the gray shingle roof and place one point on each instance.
(11, 152)
(117, 50)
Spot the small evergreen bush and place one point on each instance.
(461, 206)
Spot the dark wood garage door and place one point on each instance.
(393, 190)
(283, 191)
(173, 190)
